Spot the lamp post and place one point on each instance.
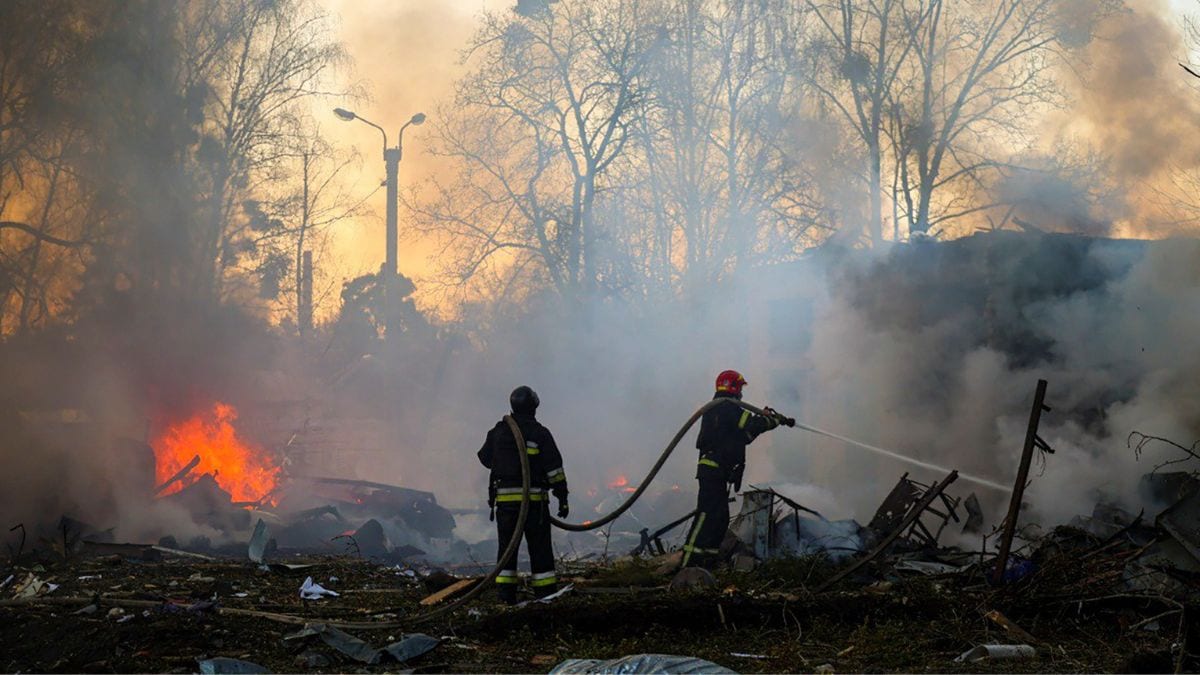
(391, 160)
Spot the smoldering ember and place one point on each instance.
(669, 336)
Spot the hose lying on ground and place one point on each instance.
(629, 501)
(510, 553)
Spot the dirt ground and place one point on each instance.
(143, 618)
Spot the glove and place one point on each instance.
(563, 509)
(737, 478)
(776, 418)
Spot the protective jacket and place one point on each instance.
(499, 453)
(725, 431)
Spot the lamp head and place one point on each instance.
(344, 115)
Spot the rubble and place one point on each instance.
(639, 663)
(406, 649)
(796, 592)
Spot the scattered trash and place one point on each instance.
(241, 595)
(407, 648)
(927, 567)
(89, 577)
(86, 611)
(549, 598)
(115, 612)
(340, 640)
(333, 580)
(201, 579)
(824, 669)
(1007, 624)
(739, 655)
(457, 588)
(31, 586)
(411, 646)
(996, 652)
(288, 567)
(226, 666)
(638, 663)
(258, 542)
(314, 591)
(6, 582)
(1018, 569)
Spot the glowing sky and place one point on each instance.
(407, 54)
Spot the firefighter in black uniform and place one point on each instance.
(725, 431)
(546, 476)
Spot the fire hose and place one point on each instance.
(514, 543)
(511, 550)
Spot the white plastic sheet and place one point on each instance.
(314, 591)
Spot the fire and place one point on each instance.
(621, 483)
(240, 467)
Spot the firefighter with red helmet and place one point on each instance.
(725, 431)
(546, 477)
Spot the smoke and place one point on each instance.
(930, 349)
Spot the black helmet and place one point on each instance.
(524, 401)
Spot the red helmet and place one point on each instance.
(731, 381)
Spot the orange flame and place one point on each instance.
(241, 468)
(622, 483)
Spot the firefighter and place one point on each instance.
(725, 431)
(546, 476)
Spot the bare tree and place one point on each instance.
(41, 44)
(858, 60)
(721, 188)
(978, 75)
(256, 62)
(536, 128)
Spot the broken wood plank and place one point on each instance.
(913, 513)
(1014, 505)
(180, 475)
(1013, 629)
(457, 588)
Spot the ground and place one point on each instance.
(766, 620)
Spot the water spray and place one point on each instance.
(903, 458)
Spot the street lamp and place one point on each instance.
(391, 159)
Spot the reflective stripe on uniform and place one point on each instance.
(697, 549)
(708, 462)
(533, 497)
(507, 577)
(514, 494)
(543, 579)
(745, 418)
(557, 475)
(532, 448)
(690, 546)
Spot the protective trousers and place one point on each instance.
(541, 550)
(703, 545)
